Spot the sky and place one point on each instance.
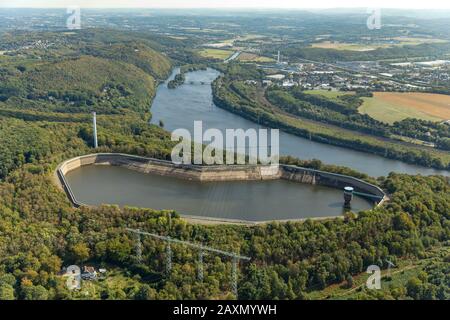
(407, 4)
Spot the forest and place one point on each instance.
(40, 232)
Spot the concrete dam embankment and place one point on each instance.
(217, 173)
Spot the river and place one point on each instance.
(180, 107)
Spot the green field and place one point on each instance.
(401, 41)
(215, 53)
(390, 106)
(390, 113)
(251, 57)
(348, 46)
(328, 94)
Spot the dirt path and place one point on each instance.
(387, 274)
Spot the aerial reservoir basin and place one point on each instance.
(254, 201)
(247, 200)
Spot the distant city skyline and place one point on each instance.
(405, 4)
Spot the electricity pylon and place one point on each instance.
(202, 249)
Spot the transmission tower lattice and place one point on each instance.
(202, 249)
(168, 258)
(200, 265)
(234, 276)
(138, 248)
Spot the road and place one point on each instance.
(234, 56)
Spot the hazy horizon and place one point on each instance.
(230, 4)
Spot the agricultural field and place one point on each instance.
(251, 57)
(230, 42)
(395, 42)
(219, 54)
(417, 40)
(347, 46)
(327, 93)
(393, 106)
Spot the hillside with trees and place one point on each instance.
(41, 232)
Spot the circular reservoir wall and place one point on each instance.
(224, 193)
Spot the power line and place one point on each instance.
(202, 249)
(190, 244)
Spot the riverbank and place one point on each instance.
(180, 107)
(224, 97)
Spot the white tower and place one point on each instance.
(94, 123)
(278, 57)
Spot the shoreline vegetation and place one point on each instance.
(180, 78)
(177, 81)
(248, 103)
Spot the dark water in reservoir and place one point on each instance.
(241, 200)
(180, 107)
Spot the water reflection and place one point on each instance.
(241, 200)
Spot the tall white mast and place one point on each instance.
(94, 123)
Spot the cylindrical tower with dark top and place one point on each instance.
(348, 196)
